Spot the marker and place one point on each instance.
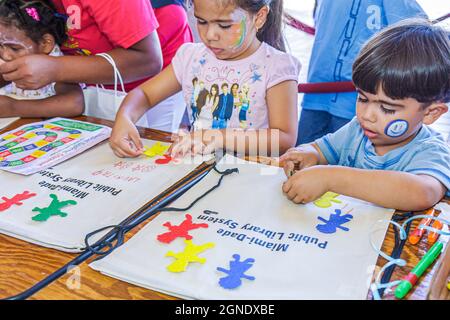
(410, 280)
(417, 234)
(433, 236)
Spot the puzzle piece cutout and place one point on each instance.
(16, 200)
(188, 255)
(158, 149)
(54, 209)
(327, 200)
(236, 272)
(180, 231)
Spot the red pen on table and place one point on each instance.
(417, 234)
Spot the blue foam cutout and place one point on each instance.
(236, 272)
(335, 222)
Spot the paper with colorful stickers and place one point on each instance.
(40, 145)
(58, 206)
(246, 240)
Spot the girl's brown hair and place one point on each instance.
(14, 13)
(410, 59)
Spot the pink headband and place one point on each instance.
(32, 12)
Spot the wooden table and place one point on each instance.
(412, 254)
(22, 264)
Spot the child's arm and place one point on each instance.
(139, 61)
(283, 114)
(125, 140)
(68, 102)
(390, 189)
(279, 137)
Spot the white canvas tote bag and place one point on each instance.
(104, 103)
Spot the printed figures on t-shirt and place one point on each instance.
(194, 98)
(244, 104)
(201, 97)
(205, 113)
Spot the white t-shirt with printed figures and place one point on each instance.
(11, 90)
(230, 94)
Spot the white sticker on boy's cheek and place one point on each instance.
(396, 128)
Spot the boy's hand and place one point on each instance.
(297, 159)
(125, 140)
(308, 184)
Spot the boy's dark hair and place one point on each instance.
(410, 59)
(14, 13)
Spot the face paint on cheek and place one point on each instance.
(7, 41)
(396, 128)
(241, 33)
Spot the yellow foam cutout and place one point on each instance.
(188, 255)
(158, 149)
(326, 200)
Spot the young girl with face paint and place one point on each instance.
(241, 44)
(29, 28)
(387, 154)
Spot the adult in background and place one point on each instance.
(125, 29)
(173, 31)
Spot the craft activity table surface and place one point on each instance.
(22, 264)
